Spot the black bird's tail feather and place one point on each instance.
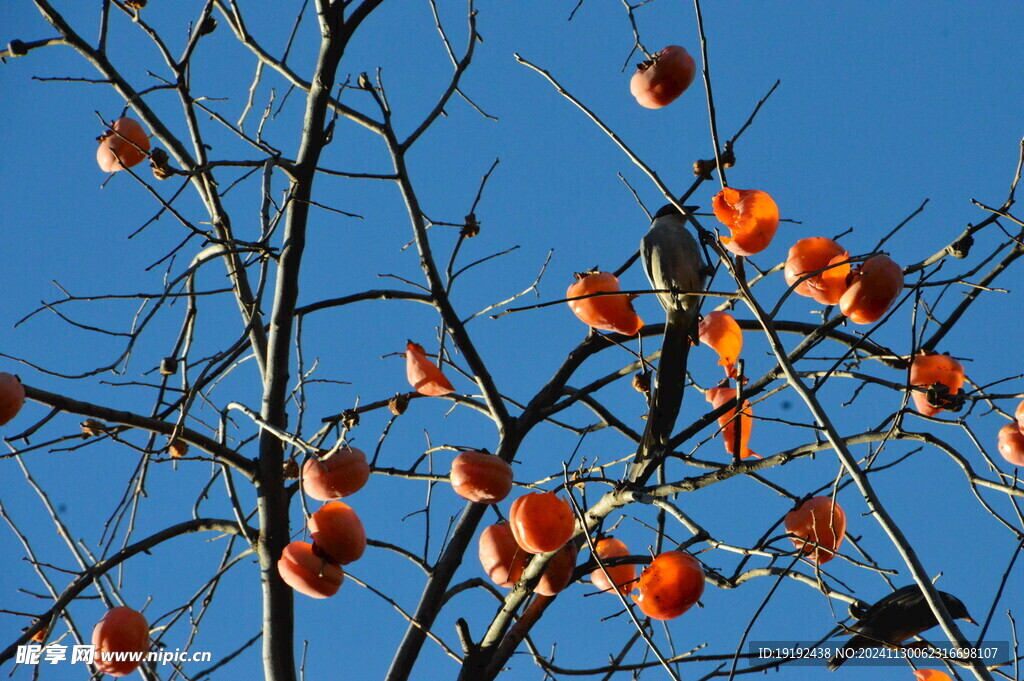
(667, 396)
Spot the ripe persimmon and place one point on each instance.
(1019, 415)
(670, 585)
(727, 421)
(339, 475)
(504, 561)
(501, 557)
(928, 369)
(121, 630)
(931, 675)
(622, 576)
(874, 287)
(1011, 444)
(659, 81)
(309, 574)
(481, 477)
(541, 521)
(558, 572)
(721, 332)
(751, 216)
(608, 313)
(813, 254)
(337, 533)
(819, 525)
(123, 146)
(12, 397)
(424, 376)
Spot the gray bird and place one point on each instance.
(675, 264)
(901, 615)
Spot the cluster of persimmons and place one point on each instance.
(338, 536)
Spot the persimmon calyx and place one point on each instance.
(939, 395)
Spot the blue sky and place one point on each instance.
(881, 106)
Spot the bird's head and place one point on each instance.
(957, 610)
(669, 209)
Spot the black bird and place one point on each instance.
(901, 615)
(674, 263)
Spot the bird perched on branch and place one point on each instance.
(900, 615)
(675, 266)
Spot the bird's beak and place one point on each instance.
(971, 620)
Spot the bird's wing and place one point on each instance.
(672, 257)
(650, 257)
(909, 596)
(646, 253)
(895, 618)
(884, 622)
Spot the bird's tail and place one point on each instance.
(834, 662)
(668, 392)
(668, 389)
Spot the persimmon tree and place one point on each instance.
(323, 295)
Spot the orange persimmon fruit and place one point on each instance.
(123, 146)
(670, 585)
(752, 217)
(721, 332)
(541, 521)
(931, 675)
(121, 630)
(424, 376)
(337, 533)
(819, 525)
(558, 572)
(501, 557)
(727, 421)
(481, 477)
(1011, 444)
(504, 561)
(309, 574)
(874, 287)
(660, 80)
(339, 475)
(813, 254)
(622, 576)
(607, 313)
(12, 397)
(1019, 415)
(930, 368)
